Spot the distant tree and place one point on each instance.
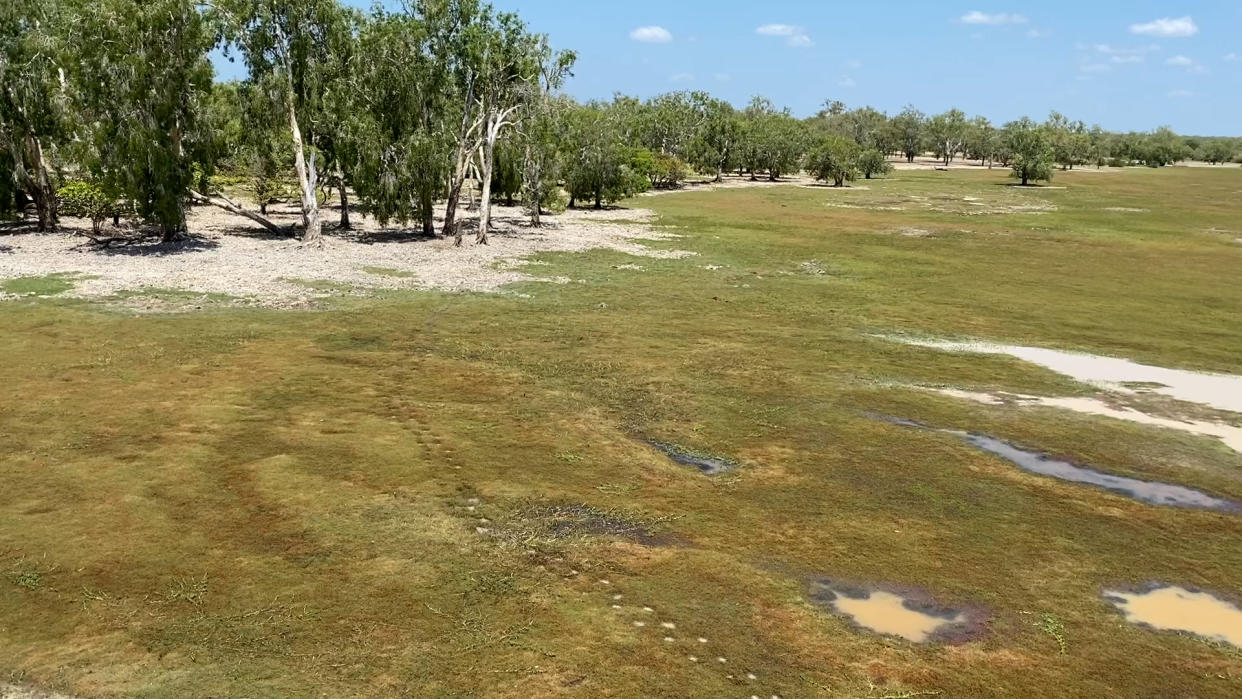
(599, 163)
(290, 47)
(401, 129)
(906, 132)
(715, 146)
(33, 104)
(539, 130)
(1162, 147)
(1217, 152)
(834, 158)
(1030, 151)
(772, 140)
(141, 78)
(946, 133)
(873, 162)
(1098, 146)
(1070, 140)
(982, 140)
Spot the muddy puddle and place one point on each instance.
(1172, 608)
(909, 615)
(710, 465)
(1229, 435)
(1151, 492)
(1221, 391)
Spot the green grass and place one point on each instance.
(440, 495)
(49, 285)
(389, 272)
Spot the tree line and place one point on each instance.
(109, 110)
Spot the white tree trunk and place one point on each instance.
(485, 203)
(312, 233)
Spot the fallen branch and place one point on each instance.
(232, 207)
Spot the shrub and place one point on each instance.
(668, 171)
(89, 200)
(835, 158)
(873, 162)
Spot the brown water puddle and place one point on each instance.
(909, 615)
(1172, 608)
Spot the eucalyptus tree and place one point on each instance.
(457, 33)
(835, 158)
(773, 140)
(290, 48)
(715, 145)
(1070, 142)
(906, 130)
(598, 158)
(1030, 150)
(140, 78)
(982, 140)
(508, 77)
(401, 127)
(947, 133)
(674, 120)
(543, 162)
(541, 119)
(32, 102)
(872, 162)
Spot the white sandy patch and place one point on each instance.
(232, 256)
(1220, 391)
(1230, 435)
(1126, 209)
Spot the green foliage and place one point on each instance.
(835, 158)
(772, 140)
(714, 148)
(946, 134)
(507, 171)
(141, 77)
(600, 167)
(90, 200)
(34, 111)
(668, 171)
(872, 162)
(1030, 151)
(1052, 626)
(398, 126)
(1218, 152)
(905, 132)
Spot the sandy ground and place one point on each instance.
(230, 255)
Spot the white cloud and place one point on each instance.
(1189, 64)
(1121, 54)
(652, 35)
(1180, 93)
(794, 35)
(723, 77)
(977, 17)
(681, 77)
(854, 64)
(1096, 68)
(1233, 57)
(1175, 28)
(846, 82)
(1037, 33)
(779, 30)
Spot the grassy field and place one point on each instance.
(443, 495)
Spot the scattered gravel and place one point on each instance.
(229, 255)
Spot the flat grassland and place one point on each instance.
(439, 494)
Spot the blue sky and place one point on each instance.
(1130, 65)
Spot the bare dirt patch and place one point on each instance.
(229, 256)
